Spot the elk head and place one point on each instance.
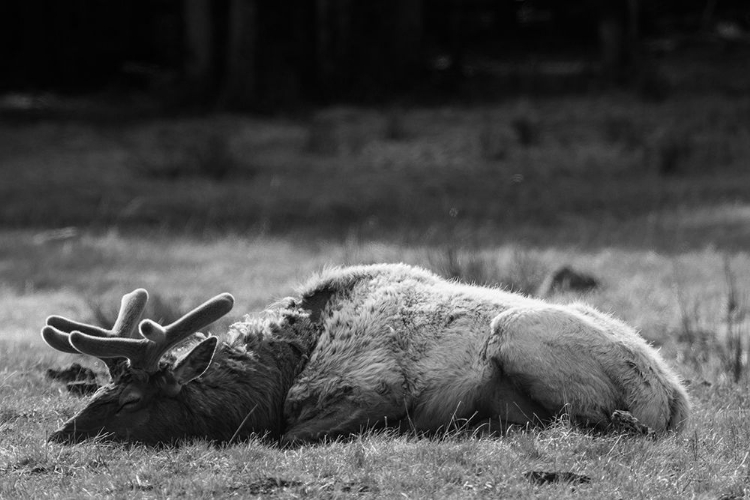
(143, 402)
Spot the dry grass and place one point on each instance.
(650, 199)
(377, 466)
(709, 459)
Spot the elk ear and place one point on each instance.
(196, 362)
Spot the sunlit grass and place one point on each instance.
(638, 286)
(500, 195)
(709, 459)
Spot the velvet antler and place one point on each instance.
(58, 330)
(144, 353)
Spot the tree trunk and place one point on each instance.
(199, 47)
(612, 43)
(618, 37)
(335, 43)
(408, 36)
(367, 47)
(241, 79)
(325, 62)
(634, 32)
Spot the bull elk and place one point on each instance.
(362, 347)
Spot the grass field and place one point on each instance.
(651, 199)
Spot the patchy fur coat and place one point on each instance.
(397, 345)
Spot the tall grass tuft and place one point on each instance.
(205, 155)
(338, 132)
(493, 145)
(736, 331)
(672, 152)
(521, 272)
(527, 130)
(395, 125)
(213, 157)
(704, 348)
(698, 343)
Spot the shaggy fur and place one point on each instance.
(400, 344)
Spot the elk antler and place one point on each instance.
(145, 353)
(59, 329)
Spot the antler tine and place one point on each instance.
(104, 348)
(65, 325)
(57, 339)
(145, 353)
(164, 338)
(59, 329)
(131, 309)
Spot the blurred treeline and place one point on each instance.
(263, 53)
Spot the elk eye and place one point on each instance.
(129, 402)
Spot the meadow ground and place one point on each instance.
(651, 198)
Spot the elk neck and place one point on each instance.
(243, 391)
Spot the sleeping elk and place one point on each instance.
(363, 347)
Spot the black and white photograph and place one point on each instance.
(397, 249)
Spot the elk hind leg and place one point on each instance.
(548, 363)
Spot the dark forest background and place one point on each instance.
(263, 54)
(390, 118)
